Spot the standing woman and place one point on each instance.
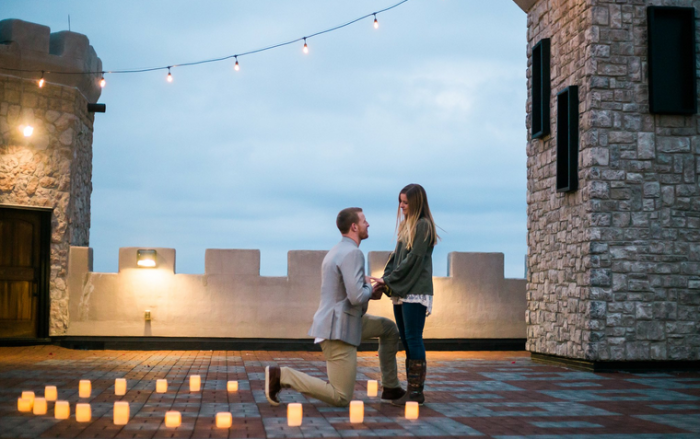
(408, 281)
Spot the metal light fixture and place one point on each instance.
(146, 258)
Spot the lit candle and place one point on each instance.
(50, 393)
(83, 413)
(232, 386)
(161, 386)
(357, 412)
(39, 406)
(62, 410)
(172, 419)
(84, 389)
(195, 383)
(120, 387)
(24, 405)
(411, 410)
(121, 413)
(29, 395)
(294, 414)
(372, 387)
(223, 420)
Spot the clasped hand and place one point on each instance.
(377, 288)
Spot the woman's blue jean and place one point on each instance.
(410, 318)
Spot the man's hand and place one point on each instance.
(377, 293)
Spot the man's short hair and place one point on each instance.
(346, 218)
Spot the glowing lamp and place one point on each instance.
(61, 410)
(39, 406)
(50, 393)
(376, 23)
(232, 386)
(306, 48)
(83, 413)
(146, 258)
(372, 387)
(357, 412)
(103, 82)
(121, 413)
(24, 405)
(223, 420)
(294, 414)
(173, 419)
(236, 67)
(84, 389)
(120, 387)
(411, 410)
(161, 386)
(28, 131)
(41, 82)
(195, 383)
(28, 395)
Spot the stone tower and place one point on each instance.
(613, 267)
(52, 168)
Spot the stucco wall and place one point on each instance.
(231, 299)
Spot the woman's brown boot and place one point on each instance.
(415, 374)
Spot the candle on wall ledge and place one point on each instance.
(120, 386)
(83, 413)
(28, 395)
(24, 405)
(39, 406)
(372, 387)
(411, 410)
(84, 389)
(50, 393)
(62, 410)
(161, 386)
(195, 383)
(357, 412)
(173, 419)
(294, 414)
(224, 420)
(121, 413)
(232, 386)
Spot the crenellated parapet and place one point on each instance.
(232, 299)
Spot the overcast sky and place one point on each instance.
(265, 157)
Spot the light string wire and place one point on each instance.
(213, 60)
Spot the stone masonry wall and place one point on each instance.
(53, 167)
(636, 260)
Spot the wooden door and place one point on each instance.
(22, 273)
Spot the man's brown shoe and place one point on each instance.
(272, 384)
(392, 393)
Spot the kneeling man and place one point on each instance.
(340, 324)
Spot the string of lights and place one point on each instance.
(305, 49)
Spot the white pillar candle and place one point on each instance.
(224, 420)
(372, 387)
(24, 405)
(50, 393)
(411, 410)
(232, 386)
(121, 413)
(294, 414)
(62, 410)
(195, 383)
(120, 387)
(161, 386)
(173, 419)
(357, 412)
(83, 413)
(84, 389)
(39, 406)
(29, 395)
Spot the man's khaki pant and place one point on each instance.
(341, 362)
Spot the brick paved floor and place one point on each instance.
(487, 394)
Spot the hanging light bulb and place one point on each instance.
(41, 81)
(236, 67)
(169, 78)
(306, 48)
(103, 82)
(28, 131)
(376, 23)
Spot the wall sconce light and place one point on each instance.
(146, 258)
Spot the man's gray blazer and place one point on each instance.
(344, 294)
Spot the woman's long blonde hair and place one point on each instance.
(417, 209)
